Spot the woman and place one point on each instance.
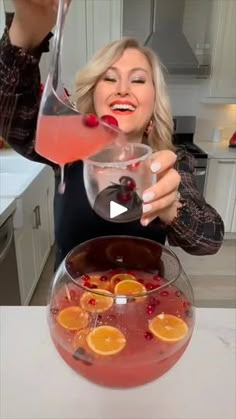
(122, 74)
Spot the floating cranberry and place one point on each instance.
(153, 301)
(164, 293)
(93, 286)
(110, 120)
(103, 278)
(156, 278)
(92, 301)
(186, 304)
(149, 286)
(150, 309)
(148, 335)
(124, 197)
(141, 281)
(91, 120)
(86, 278)
(88, 285)
(178, 293)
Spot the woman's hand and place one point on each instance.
(161, 199)
(33, 20)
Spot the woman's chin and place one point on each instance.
(129, 131)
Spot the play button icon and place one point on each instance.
(116, 209)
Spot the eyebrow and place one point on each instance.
(131, 71)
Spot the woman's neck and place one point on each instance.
(135, 138)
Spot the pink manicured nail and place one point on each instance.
(148, 196)
(145, 222)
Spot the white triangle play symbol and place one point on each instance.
(116, 209)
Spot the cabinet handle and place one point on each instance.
(37, 217)
(227, 161)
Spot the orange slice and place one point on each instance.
(106, 340)
(96, 280)
(129, 287)
(73, 318)
(96, 302)
(168, 328)
(122, 277)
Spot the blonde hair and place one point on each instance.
(160, 134)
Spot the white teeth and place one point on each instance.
(121, 106)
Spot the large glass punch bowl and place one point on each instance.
(121, 310)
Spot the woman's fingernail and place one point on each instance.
(155, 166)
(144, 222)
(148, 196)
(147, 208)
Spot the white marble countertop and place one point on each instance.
(7, 207)
(218, 150)
(16, 173)
(37, 384)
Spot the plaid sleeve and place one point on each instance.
(20, 95)
(198, 228)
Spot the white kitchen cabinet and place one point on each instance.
(41, 232)
(222, 87)
(233, 227)
(33, 235)
(90, 25)
(221, 190)
(103, 23)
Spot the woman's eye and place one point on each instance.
(138, 81)
(111, 79)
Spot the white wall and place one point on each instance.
(186, 100)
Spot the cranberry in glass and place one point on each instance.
(110, 120)
(90, 120)
(148, 335)
(149, 286)
(128, 182)
(124, 197)
(164, 293)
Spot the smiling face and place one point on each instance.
(126, 91)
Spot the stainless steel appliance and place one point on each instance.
(184, 129)
(9, 282)
(168, 38)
